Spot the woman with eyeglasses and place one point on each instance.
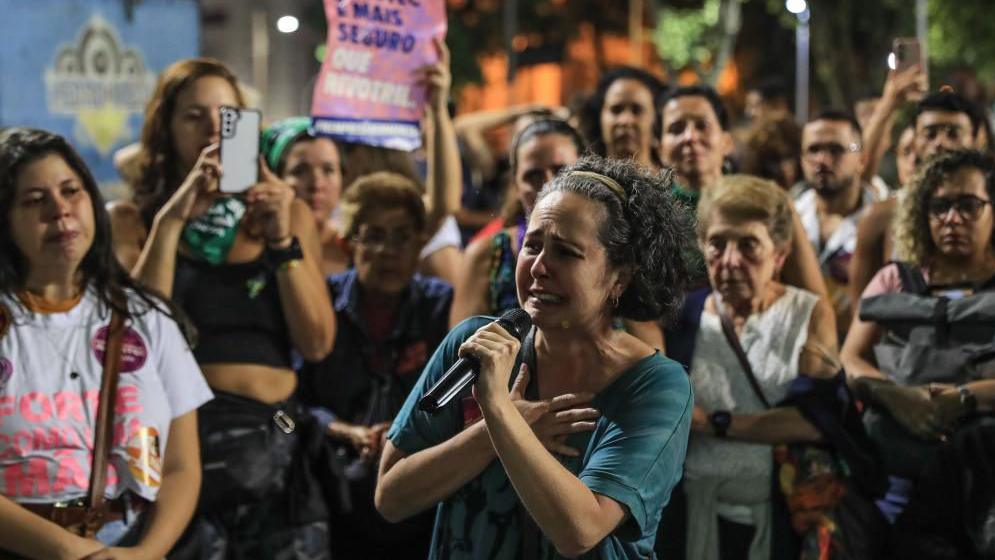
(944, 231)
(390, 320)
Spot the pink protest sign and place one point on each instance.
(367, 90)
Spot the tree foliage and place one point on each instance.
(961, 33)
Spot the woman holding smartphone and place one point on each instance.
(245, 269)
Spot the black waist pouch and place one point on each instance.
(253, 452)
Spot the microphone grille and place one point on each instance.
(516, 321)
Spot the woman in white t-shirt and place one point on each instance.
(59, 280)
(744, 230)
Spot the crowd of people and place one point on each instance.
(740, 343)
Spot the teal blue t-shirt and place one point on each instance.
(635, 456)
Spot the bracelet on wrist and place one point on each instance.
(720, 420)
(279, 257)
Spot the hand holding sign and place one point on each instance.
(436, 78)
(381, 59)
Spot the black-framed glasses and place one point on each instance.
(967, 206)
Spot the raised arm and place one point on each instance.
(898, 87)
(471, 128)
(303, 293)
(156, 266)
(127, 232)
(445, 172)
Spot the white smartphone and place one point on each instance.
(239, 149)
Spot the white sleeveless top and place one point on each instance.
(773, 340)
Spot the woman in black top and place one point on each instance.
(245, 268)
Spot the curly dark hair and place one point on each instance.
(19, 147)
(913, 239)
(158, 173)
(648, 233)
(590, 113)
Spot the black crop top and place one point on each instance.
(233, 326)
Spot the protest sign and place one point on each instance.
(367, 91)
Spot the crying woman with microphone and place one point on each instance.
(574, 432)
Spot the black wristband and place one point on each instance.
(275, 257)
(720, 421)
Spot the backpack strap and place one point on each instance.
(912, 279)
(914, 282)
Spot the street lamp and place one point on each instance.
(796, 6)
(287, 24)
(800, 9)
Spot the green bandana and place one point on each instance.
(211, 236)
(278, 137)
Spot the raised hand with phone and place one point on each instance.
(195, 193)
(269, 208)
(906, 82)
(225, 239)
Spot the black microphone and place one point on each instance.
(466, 369)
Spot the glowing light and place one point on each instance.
(287, 24)
(892, 61)
(796, 6)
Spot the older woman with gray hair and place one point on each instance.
(748, 338)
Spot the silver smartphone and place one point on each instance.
(239, 149)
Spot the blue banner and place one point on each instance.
(85, 69)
